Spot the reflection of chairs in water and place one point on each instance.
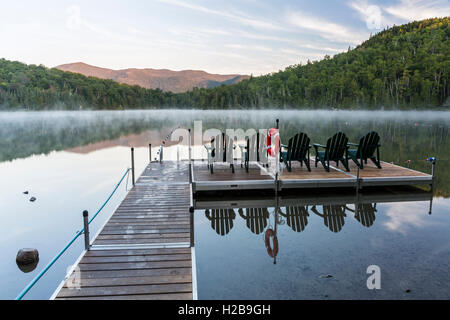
(365, 213)
(296, 217)
(221, 220)
(256, 218)
(333, 216)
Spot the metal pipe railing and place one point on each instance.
(52, 262)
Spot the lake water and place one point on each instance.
(71, 161)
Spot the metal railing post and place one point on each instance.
(190, 156)
(132, 166)
(161, 153)
(86, 229)
(150, 152)
(358, 181)
(191, 222)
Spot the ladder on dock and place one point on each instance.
(145, 250)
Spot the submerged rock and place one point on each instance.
(326, 276)
(25, 192)
(26, 268)
(27, 259)
(33, 199)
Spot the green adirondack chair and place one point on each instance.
(336, 150)
(297, 150)
(366, 150)
(251, 150)
(220, 150)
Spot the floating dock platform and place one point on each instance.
(258, 177)
(146, 249)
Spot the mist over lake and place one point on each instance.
(71, 160)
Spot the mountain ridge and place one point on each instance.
(149, 78)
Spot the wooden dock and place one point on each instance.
(143, 251)
(146, 249)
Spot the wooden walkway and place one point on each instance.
(143, 251)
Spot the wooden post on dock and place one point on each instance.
(132, 166)
(86, 229)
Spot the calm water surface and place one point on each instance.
(71, 161)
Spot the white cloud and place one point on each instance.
(419, 9)
(371, 14)
(248, 47)
(243, 19)
(326, 29)
(407, 216)
(400, 12)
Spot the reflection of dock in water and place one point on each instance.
(333, 207)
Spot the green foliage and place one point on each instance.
(403, 67)
(37, 87)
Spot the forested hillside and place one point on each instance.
(403, 67)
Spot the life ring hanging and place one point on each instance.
(275, 148)
(270, 234)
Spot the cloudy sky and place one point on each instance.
(233, 36)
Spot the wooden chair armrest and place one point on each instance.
(353, 144)
(319, 145)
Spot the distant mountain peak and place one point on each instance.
(164, 79)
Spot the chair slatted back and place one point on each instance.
(336, 146)
(221, 220)
(256, 219)
(252, 148)
(228, 156)
(333, 216)
(255, 148)
(366, 214)
(297, 218)
(368, 145)
(262, 150)
(298, 147)
(223, 148)
(218, 146)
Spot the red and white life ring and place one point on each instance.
(273, 149)
(271, 234)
